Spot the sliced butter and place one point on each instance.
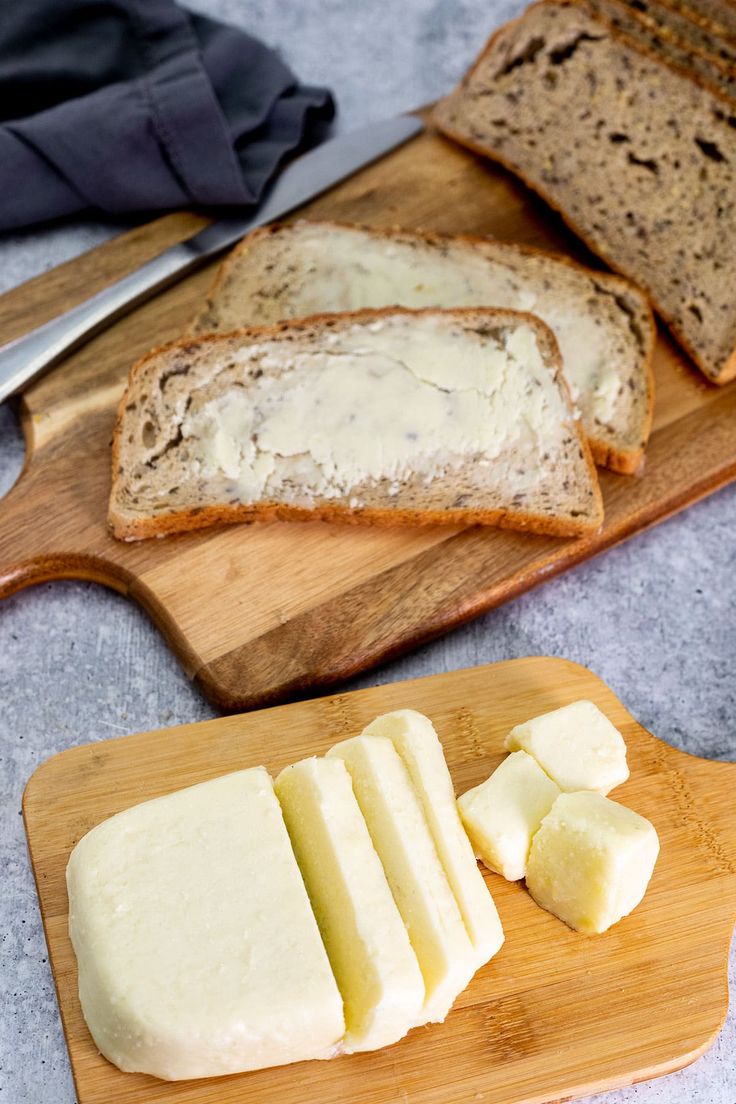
(502, 815)
(591, 861)
(366, 941)
(404, 844)
(197, 948)
(577, 746)
(416, 741)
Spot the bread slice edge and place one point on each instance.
(622, 461)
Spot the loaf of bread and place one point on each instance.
(386, 417)
(650, 24)
(638, 158)
(603, 324)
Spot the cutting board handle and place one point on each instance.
(40, 535)
(25, 557)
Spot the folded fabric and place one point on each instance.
(139, 105)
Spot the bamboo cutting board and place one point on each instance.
(555, 1014)
(259, 613)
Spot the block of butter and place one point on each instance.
(197, 948)
(416, 741)
(375, 967)
(591, 861)
(502, 815)
(577, 746)
(406, 849)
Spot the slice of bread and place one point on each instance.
(650, 25)
(691, 26)
(603, 325)
(385, 417)
(637, 157)
(718, 15)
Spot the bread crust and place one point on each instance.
(728, 371)
(129, 529)
(671, 36)
(701, 20)
(624, 462)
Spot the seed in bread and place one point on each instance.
(639, 159)
(385, 417)
(603, 324)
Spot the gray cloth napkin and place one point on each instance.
(140, 106)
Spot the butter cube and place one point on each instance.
(416, 741)
(502, 815)
(591, 861)
(406, 849)
(366, 941)
(577, 746)
(197, 948)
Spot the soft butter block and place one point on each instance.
(577, 746)
(406, 849)
(366, 941)
(416, 741)
(197, 948)
(591, 861)
(502, 815)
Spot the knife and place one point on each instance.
(27, 357)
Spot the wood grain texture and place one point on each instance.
(555, 1014)
(257, 613)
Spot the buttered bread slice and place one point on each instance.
(401, 837)
(374, 965)
(603, 324)
(197, 949)
(386, 417)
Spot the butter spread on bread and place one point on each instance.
(603, 324)
(197, 949)
(396, 416)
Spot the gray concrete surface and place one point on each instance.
(655, 618)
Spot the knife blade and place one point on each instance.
(304, 178)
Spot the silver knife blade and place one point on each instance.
(304, 178)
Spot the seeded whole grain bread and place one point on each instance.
(638, 158)
(717, 16)
(692, 27)
(384, 417)
(603, 324)
(641, 21)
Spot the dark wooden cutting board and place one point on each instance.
(260, 613)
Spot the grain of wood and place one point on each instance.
(257, 614)
(555, 1014)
